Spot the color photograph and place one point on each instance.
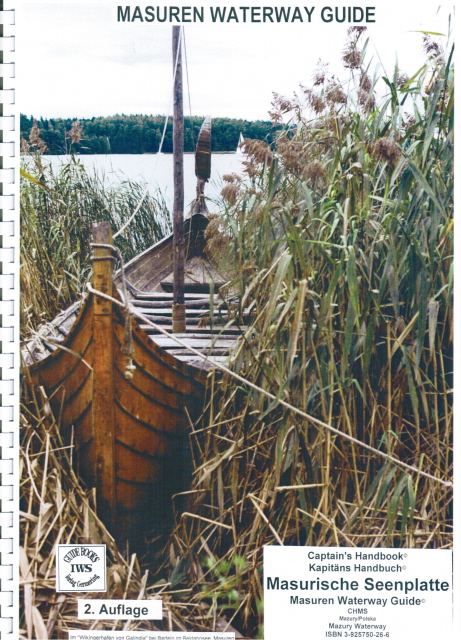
(236, 274)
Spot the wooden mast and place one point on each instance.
(179, 308)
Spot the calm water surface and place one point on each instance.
(156, 170)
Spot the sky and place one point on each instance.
(75, 60)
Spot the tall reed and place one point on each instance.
(341, 247)
(58, 208)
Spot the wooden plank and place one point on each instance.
(82, 428)
(159, 365)
(136, 434)
(79, 402)
(85, 463)
(164, 368)
(165, 304)
(32, 356)
(132, 466)
(164, 295)
(206, 335)
(191, 358)
(146, 270)
(166, 312)
(56, 368)
(79, 377)
(166, 320)
(69, 321)
(128, 495)
(161, 422)
(135, 421)
(202, 365)
(77, 370)
(197, 331)
(205, 352)
(199, 344)
(197, 340)
(103, 387)
(190, 381)
(145, 384)
(192, 286)
(152, 267)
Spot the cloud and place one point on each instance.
(91, 65)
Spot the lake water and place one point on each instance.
(156, 170)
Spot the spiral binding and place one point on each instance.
(9, 623)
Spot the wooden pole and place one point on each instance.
(103, 377)
(179, 313)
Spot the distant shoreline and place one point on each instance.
(122, 134)
(144, 153)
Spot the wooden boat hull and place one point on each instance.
(122, 400)
(129, 433)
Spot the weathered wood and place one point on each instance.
(161, 304)
(206, 352)
(157, 418)
(65, 365)
(80, 432)
(128, 431)
(139, 434)
(235, 331)
(166, 297)
(133, 466)
(198, 362)
(75, 406)
(171, 373)
(52, 370)
(210, 336)
(32, 351)
(149, 268)
(103, 377)
(193, 313)
(165, 323)
(199, 344)
(178, 175)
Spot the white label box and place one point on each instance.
(350, 592)
(98, 609)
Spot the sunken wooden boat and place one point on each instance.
(123, 393)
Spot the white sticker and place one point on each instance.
(81, 567)
(119, 609)
(357, 593)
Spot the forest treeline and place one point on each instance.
(139, 133)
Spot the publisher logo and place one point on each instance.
(81, 567)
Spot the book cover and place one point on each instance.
(236, 246)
